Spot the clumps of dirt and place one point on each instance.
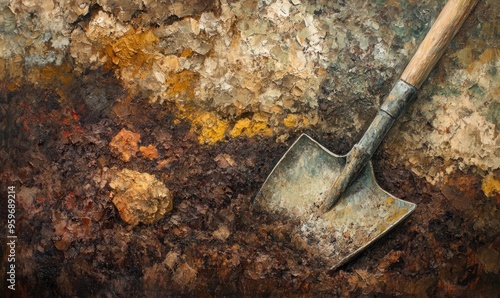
(125, 144)
(140, 197)
(213, 241)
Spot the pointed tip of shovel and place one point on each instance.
(296, 188)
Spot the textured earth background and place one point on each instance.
(205, 96)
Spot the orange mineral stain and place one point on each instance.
(149, 152)
(124, 144)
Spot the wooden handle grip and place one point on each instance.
(436, 41)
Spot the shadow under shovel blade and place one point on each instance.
(364, 213)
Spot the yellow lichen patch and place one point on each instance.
(390, 200)
(209, 127)
(491, 185)
(291, 120)
(181, 84)
(12, 87)
(296, 120)
(239, 127)
(258, 125)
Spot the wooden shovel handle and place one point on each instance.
(431, 49)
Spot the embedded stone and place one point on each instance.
(140, 197)
(125, 144)
(149, 152)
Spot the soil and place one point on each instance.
(72, 242)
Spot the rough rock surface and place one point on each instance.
(125, 144)
(140, 197)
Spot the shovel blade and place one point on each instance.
(296, 187)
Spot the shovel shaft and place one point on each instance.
(429, 52)
(436, 41)
(395, 103)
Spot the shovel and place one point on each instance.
(334, 200)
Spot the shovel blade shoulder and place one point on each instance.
(296, 187)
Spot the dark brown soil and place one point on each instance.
(60, 148)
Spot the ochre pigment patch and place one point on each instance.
(131, 48)
(299, 121)
(186, 53)
(57, 74)
(491, 186)
(181, 84)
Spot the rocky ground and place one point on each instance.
(206, 98)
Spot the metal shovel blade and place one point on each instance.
(364, 212)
